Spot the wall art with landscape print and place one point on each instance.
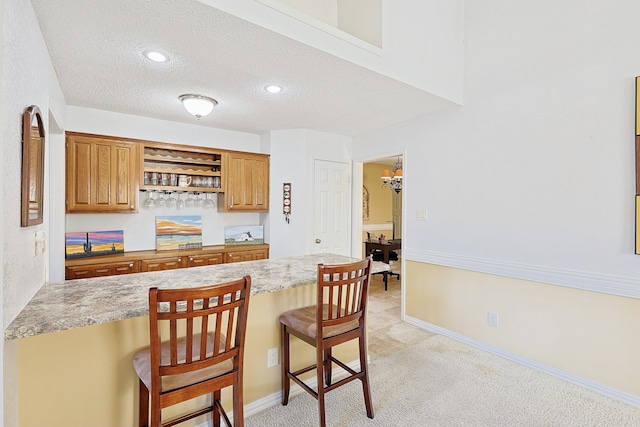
(178, 232)
(81, 244)
(243, 235)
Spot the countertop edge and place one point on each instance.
(128, 293)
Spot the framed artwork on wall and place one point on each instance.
(93, 243)
(178, 232)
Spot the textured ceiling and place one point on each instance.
(96, 47)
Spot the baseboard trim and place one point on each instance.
(608, 284)
(624, 397)
(276, 398)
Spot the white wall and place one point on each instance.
(288, 164)
(293, 153)
(422, 41)
(27, 78)
(534, 176)
(324, 10)
(2, 351)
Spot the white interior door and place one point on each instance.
(332, 207)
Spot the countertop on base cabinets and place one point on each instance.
(83, 302)
(152, 253)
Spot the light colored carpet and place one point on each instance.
(438, 381)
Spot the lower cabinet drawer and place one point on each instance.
(246, 255)
(209, 259)
(98, 270)
(159, 264)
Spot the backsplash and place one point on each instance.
(140, 228)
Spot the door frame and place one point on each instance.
(356, 209)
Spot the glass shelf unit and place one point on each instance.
(166, 165)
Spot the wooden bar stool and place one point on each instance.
(339, 316)
(197, 347)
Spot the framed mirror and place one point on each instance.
(32, 167)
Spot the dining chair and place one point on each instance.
(339, 316)
(393, 256)
(197, 338)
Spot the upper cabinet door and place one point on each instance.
(247, 182)
(102, 174)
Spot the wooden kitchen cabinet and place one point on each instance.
(152, 260)
(98, 270)
(240, 256)
(102, 174)
(246, 182)
(208, 259)
(160, 264)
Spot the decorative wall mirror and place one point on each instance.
(32, 167)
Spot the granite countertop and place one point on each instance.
(84, 302)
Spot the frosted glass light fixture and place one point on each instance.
(198, 105)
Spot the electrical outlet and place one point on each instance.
(272, 357)
(421, 215)
(492, 319)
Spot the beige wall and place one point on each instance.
(73, 378)
(588, 334)
(362, 19)
(380, 202)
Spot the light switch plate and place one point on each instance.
(421, 214)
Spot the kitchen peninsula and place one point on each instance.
(76, 337)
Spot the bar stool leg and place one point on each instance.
(327, 367)
(320, 363)
(215, 396)
(143, 407)
(365, 379)
(285, 365)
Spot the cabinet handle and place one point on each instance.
(131, 206)
(179, 259)
(190, 258)
(130, 265)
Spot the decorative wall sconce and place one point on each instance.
(198, 105)
(393, 180)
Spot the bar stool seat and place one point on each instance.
(142, 364)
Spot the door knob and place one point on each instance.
(318, 240)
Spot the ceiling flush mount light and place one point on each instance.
(156, 56)
(394, 181)
(273, 89)
(198, 105)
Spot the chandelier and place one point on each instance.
(393, 180)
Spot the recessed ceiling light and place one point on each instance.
(156, 56)
(273, 89)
